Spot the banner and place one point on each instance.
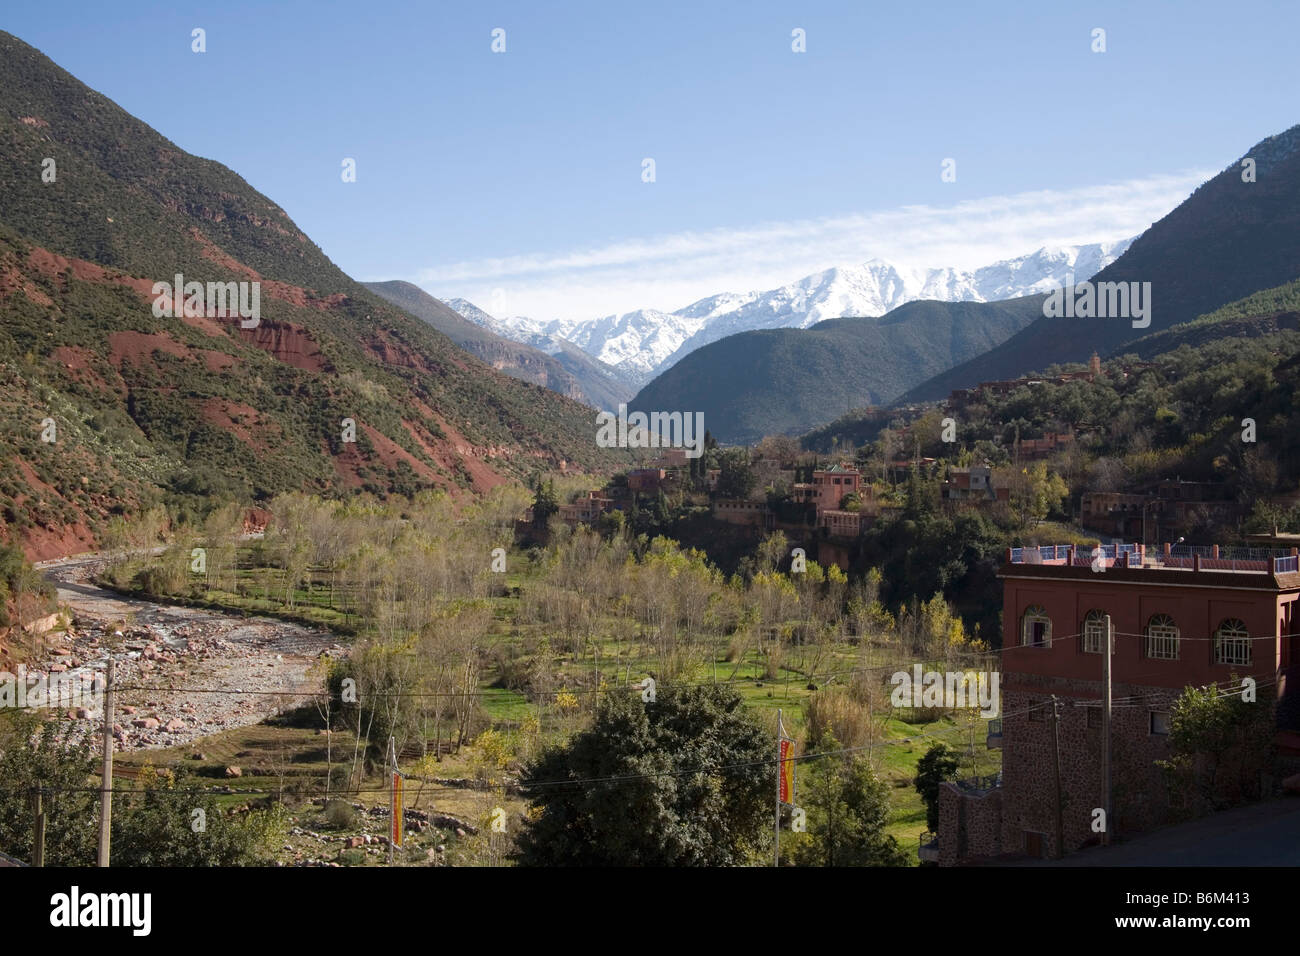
(395, 811)
(787, 771)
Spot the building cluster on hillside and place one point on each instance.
(962, 397)
(1164, 506)
(664, 473)
(825, 494)
(1175, 617)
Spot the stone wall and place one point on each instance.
(1140, 799)
(970, 824)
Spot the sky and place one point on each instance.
(517, 179)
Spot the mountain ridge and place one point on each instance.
(1228, 239)
(334, 390)
(788, 381)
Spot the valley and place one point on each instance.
(420, 526)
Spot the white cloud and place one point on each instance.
(671, 271)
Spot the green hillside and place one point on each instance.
(1261, 314)
(154, 408)
(1227, 240)
(791, 380)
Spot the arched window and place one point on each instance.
(1094, 632)
(1232, 643)
(1036, 628)
(1162, 638)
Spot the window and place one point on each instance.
(1232, 643)
(1094, 632)
(1162, 638)
(1094, 716)
(1159, 722)
(1036, 629)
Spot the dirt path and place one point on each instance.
(180, 666)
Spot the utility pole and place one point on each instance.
(784, 754)
(1056, 769)
(106, 773)
(38, 826)
(1105, 729)
(395, 813)
(780, 768)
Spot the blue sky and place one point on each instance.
(520, 173)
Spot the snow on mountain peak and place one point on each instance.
(645, 342)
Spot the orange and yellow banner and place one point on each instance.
(787, 771)
(395, 821)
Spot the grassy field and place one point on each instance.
(291, 760)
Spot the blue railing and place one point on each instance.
(1180, 556)
(1226, 552)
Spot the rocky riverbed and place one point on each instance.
(181, 673)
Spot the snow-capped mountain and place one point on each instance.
(551, 337)
(643, 343)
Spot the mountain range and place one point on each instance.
(647, 342)
(1232, 237)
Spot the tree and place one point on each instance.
(736, 478)
(780, 448)
(320, 673)
(771, 551)
(684, 780)
(848, 810)
(34, 755)
(1218, 744)
(1035, 493)
(612, 523)
(545, 503)
(166, 823)
(938, 764)
(154, 822)
(23, 585)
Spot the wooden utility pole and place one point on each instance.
(780, 768)
(1056, 768)
(1105, 729)
(38, 827)
(396, 821)
(106, 772)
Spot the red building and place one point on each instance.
(647, 480)
(1186, 617)
(832, 484)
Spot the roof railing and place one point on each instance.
(1170, 557)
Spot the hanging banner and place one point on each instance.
(395, 811)
(787, 771)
